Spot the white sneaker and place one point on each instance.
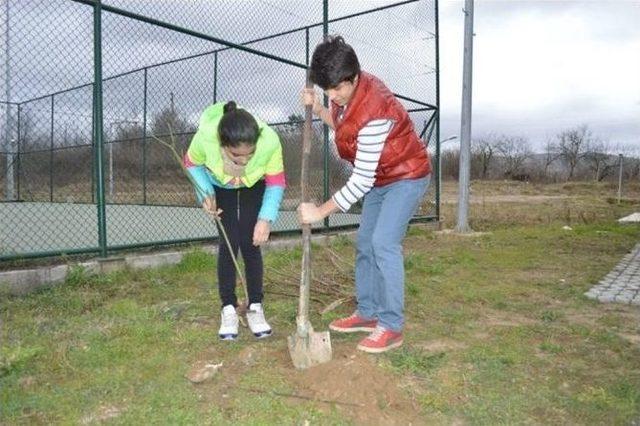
(257, 323)
(228, 323)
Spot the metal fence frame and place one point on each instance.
(430, 130)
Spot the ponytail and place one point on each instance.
(237, 127)
(229, 106)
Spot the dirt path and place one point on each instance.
(509, 198)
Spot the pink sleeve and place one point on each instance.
(187, 161)
(276, 180)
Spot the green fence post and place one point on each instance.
(215, 77)
(144, 140)
(437, 111)
(8, 145)
(97, 126)
(306, 53)
(325, 128)
(18, 157)
(94, 169)
(51, 150)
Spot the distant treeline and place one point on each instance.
(573, 154)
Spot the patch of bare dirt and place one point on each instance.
(202, 371)
(369, 394)
(440, 345)
(592, 317)
(352, 383)
(632, 338)
(102, 414)
(505, 319)
(27, 382)
(481, 335)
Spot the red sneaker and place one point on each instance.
(381, 340)
(353, 323)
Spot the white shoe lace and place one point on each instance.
(377, 333)
(256, 318)
(256, 314)
(353, 316)
(229, 318)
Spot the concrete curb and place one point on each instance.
(25, 281)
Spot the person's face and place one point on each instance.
(343, 92)
(240, 154)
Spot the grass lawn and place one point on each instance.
(498, 331)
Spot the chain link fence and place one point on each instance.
(81, 170)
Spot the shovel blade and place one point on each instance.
(312, 349)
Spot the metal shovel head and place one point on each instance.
(312, 349)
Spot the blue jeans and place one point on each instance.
(386, 213)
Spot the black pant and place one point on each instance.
(240, 208)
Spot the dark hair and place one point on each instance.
(333, 62)
(237, 126)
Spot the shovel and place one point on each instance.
(307, 347)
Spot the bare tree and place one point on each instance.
(551, 154)
(450, 163)
(169, 121)
(514, 151)
(572, 144)
(629, 152)
(632, 168)
(295, 123)
(128, 146)
(598, 159)
(29, 138)
(482, 152)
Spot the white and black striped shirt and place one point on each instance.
(371, 140)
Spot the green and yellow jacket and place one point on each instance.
(205, 163)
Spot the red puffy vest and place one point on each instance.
(404, 156)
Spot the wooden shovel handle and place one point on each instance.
(306, 148)
(305, 277)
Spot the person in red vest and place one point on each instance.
(391, 173)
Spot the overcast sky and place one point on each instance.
(539, 66)
(543, 66)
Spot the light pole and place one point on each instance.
(462, 226)
(450, 138)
